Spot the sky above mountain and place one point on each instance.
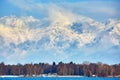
(59, 30)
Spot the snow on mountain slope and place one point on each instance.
(61, 34)
(85, 30)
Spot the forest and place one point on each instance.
(85, 69)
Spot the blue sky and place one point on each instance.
(59, 30)
(100, 10)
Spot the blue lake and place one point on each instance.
(58, 78)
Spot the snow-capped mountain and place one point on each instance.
(19, 31)
(22, 35)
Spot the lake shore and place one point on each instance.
(44, 75)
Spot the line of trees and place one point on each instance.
(85, 69)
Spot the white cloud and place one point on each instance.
(23, 4)
(60, 16)
(95, 7)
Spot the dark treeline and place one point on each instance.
(85, 69)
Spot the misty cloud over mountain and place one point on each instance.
(19, 37)
(69, 31)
